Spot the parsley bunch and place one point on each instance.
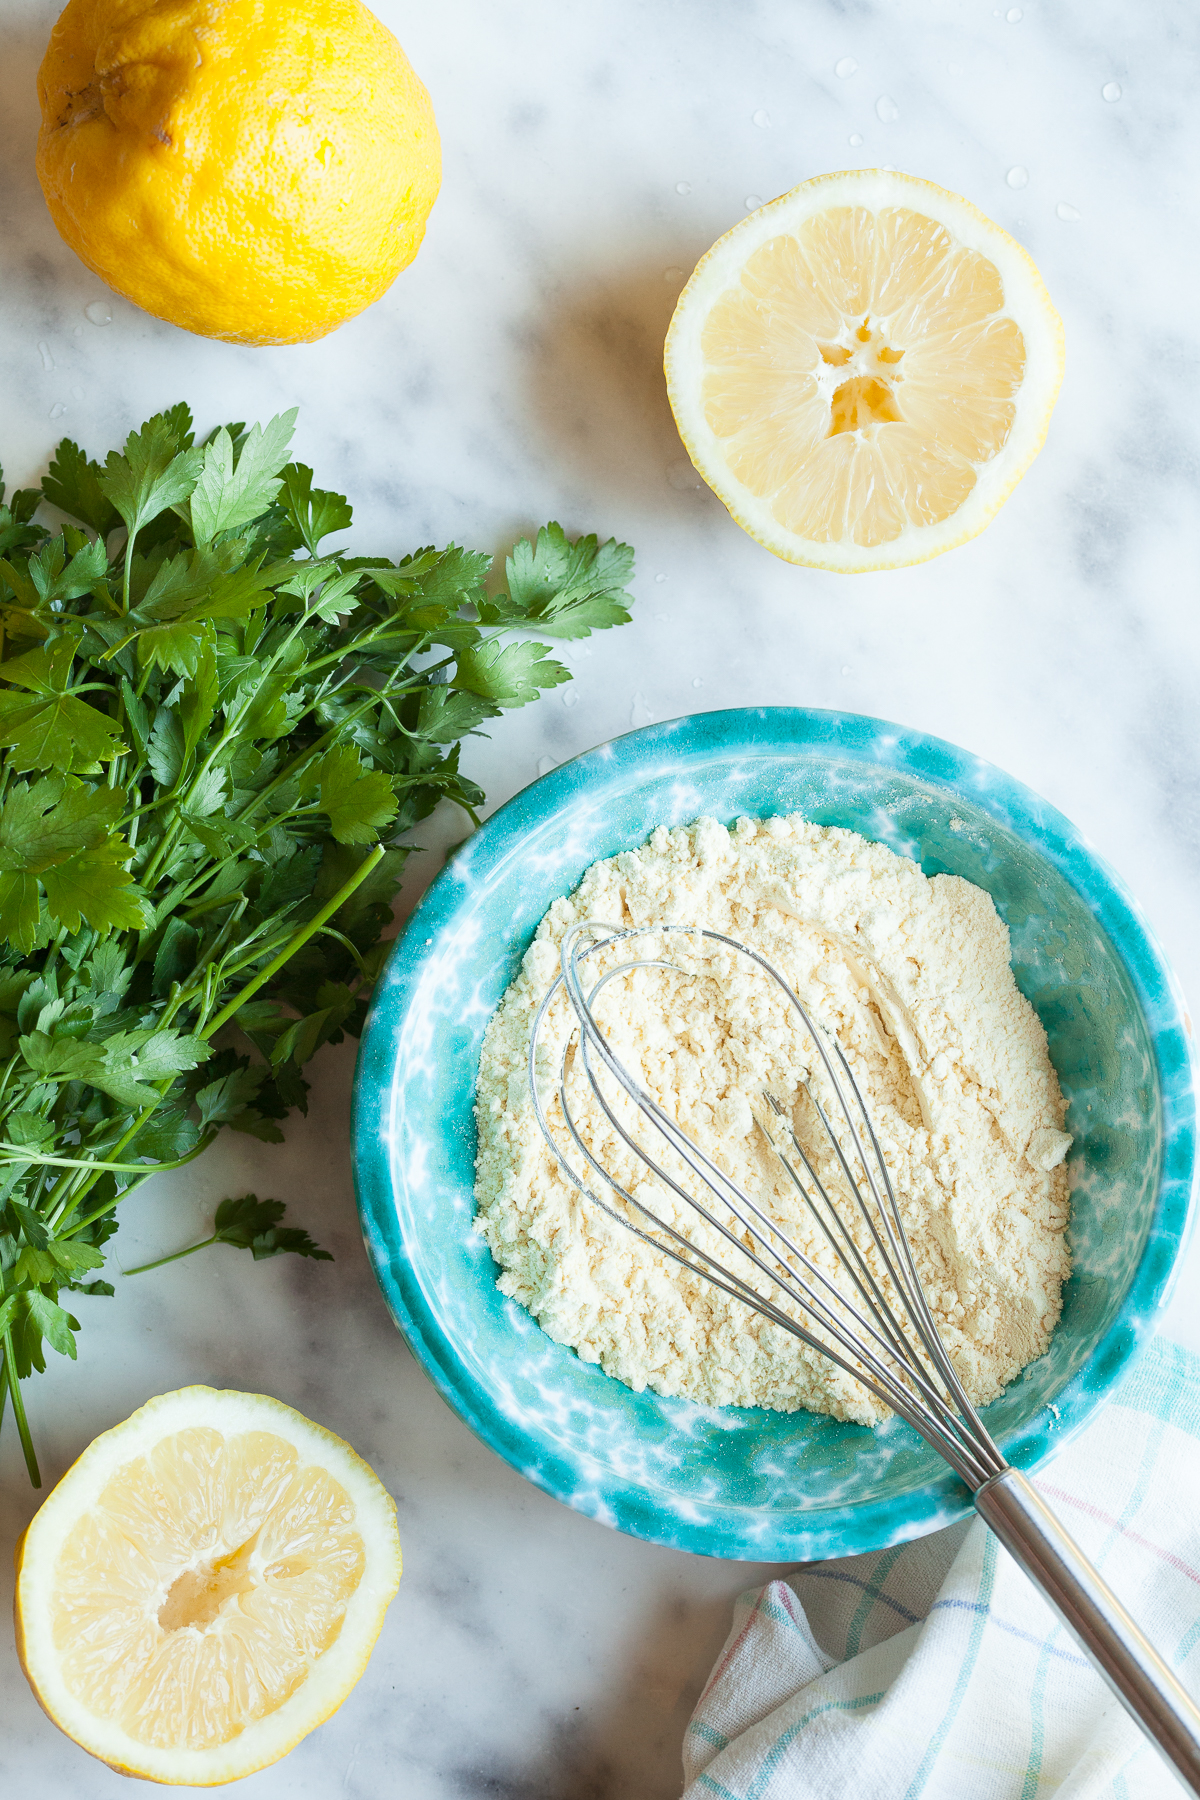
(214, 736)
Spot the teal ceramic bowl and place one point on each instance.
(745, 1482)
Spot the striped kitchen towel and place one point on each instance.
(935, 1670)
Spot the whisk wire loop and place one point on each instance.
(914, 1289)
(859, 1273)
(954, 1407)
(888, 1340)
(872, 1344)
(692, 1256)
(740, 1206)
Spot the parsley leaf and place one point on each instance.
(358, 802)
(252, 1224)
(95, 887)
(228, 494)
(434, 584)
(154, 472)
(311, 513)
(15, 515)
(566, 590)
(249, 1224)
(213, 744)
(59, 832)
(54, 731)
(445, 714)
(54, 578)
(52, 1322)
(72, 483)
(509, 675)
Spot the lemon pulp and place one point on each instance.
(864, 374)
(209, 1576)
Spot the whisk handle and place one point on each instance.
(1094, 1616)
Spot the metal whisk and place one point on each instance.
(875, 1324)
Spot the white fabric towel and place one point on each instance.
(935, 1671)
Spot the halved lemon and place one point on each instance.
(863, 370)
(204, 1586)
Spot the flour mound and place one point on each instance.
(913, 976)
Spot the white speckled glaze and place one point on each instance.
(748, 1482)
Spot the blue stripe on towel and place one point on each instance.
(772, 1759)
(709, 1733)
(871, 1593)
(1029, 1637)
(1037, 1724)
(854, 1581)
(987, 1582)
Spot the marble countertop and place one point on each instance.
(511, 375)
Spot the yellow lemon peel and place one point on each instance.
(245, 169)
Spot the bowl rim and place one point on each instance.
(833, 1531)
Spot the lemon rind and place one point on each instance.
(1026, 300)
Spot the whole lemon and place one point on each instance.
(255, 170)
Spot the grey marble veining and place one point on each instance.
(512, 374)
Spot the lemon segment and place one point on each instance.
(863, 370)
(204, 1586)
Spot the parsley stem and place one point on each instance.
(17, 1155)
(249, 951)
(144, 1172)
(129, 543)
(174, 1256)
(314, 750)
(7, 1076)
(344, 941)
(18, 1406)
(295, 943)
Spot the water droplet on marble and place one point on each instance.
(683, 187)
(673, 275)
(545, 764)
(845, 68)
(47, 359)
(570, 697)
(57, 410)
(99, 312)
(1111, 91)
(660, 578)
(1069, 213)
(699, 681)
(77, 393)
(1014, 15)
(761, 118)
(1018, 177)
(886, 109)
(683, 477)
(78, 331)
(753, 202)
(856, 140)
(845, 668)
